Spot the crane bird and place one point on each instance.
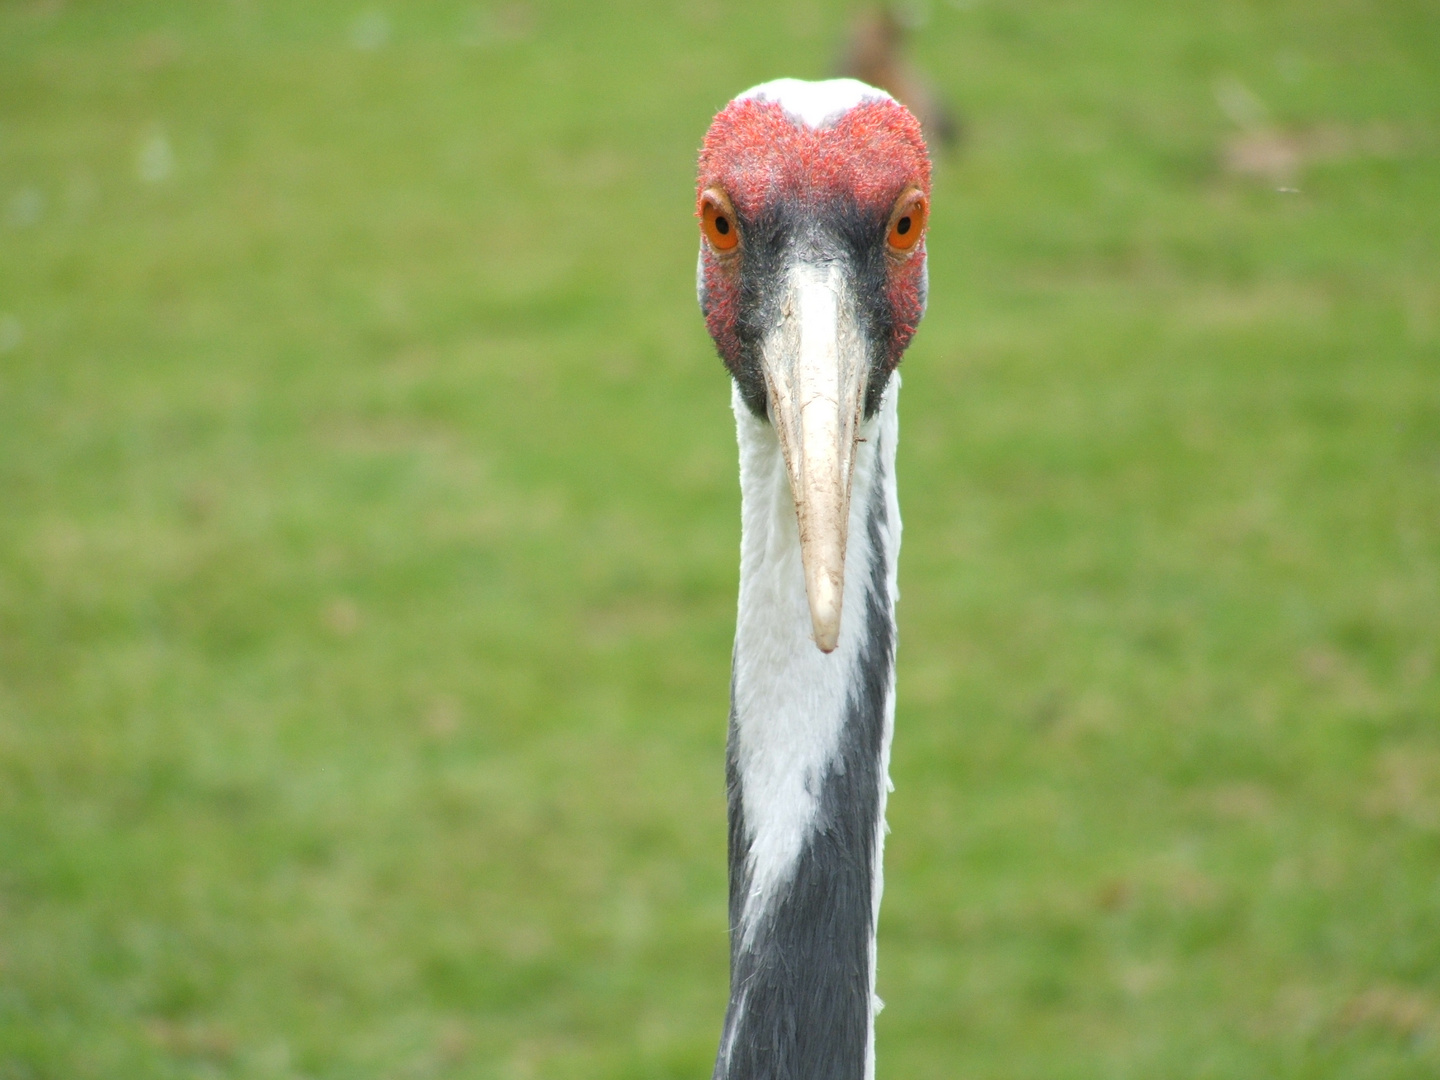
(813, 199)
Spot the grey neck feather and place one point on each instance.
(807, 771)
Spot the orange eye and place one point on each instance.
(907, 223)
(717, 220)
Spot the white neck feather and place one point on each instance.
(789, 698)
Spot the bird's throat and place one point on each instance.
(807, 765)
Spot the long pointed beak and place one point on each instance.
(816, 369)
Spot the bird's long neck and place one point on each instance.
(807, 765)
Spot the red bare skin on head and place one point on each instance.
(756, 153)
(759, 156)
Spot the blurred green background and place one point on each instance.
(369, 526)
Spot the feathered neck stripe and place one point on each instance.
(807, 762)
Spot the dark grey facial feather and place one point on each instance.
(838, 233)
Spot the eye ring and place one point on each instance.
(908, 221)
(717, 220)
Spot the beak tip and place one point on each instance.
(825, 593)
(826, 624)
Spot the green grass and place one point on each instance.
(368, 533)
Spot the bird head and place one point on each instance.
(813, 200)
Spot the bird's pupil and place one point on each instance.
(902, 226)
(722, 226)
